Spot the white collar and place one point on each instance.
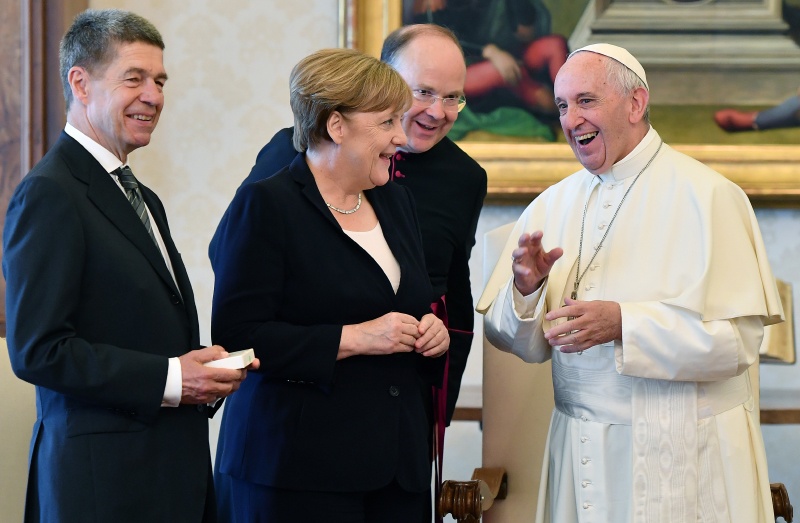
(106, 158)
(629, 166)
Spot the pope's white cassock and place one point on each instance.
(660, 427)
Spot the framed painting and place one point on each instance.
(737, 55)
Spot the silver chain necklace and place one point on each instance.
(578, 274)
(346, 211)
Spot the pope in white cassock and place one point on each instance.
(644, 277)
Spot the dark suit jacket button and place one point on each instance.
(201, 408)
(394, 391)
(176, 300)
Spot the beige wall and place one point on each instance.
(17, 414)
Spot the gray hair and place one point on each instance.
(626, 81)
(92, 39)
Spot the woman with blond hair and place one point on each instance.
(320, 269)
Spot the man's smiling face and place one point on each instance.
(600, 123)
(435, 64)
(124, 100)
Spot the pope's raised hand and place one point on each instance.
(531, 263)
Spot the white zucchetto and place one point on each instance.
(620, 55)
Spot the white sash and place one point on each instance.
(673, 479)
(676, 462)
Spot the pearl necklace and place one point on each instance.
(345, 211)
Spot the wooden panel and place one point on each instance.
(11, 105)
(58, 16)
(31, 99)
(780, 416)
(779, 406)
(768, 417)
(468, 414)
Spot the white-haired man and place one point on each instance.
(644, 277)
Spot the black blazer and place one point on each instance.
(448, 220)
(93, 315)
(287, 280)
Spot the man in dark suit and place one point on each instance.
(100, 311)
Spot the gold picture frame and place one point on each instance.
(769, 174)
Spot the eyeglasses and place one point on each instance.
(449, 103)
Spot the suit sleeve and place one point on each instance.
(431, 370)
(250, 271)
(43, 262)
(460, 308)
(277, 154)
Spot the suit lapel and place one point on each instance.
(108, 198)
(181, 276)
(104, 194)
(301, 173)
(397, 243)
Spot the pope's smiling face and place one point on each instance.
(600, 122)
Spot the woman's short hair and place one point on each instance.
(92, 39)
(343, 80)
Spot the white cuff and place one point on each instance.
(174, 386)
(526, 306)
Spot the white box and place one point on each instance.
(235, 360)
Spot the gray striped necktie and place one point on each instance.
(134, 193)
